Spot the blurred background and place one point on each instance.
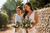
(5, 5)
(8, 9)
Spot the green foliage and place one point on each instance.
(34, 3)
(5, 9)
(27, 24)
(16, 24)
(3, 19)
(39, 3)
(11, 12)
(19, 3)
(11, 5)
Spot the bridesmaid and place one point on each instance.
(18, 17)
(32, 15)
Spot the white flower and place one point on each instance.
(22, 25)
(31, 25)
(14, 24)
(17, 26)
(20, 21)
(26, 25)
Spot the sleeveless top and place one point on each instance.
(18, 17)
(31, 17)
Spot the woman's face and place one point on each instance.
(18, 10)
(26, 7)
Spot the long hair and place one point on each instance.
(26, 12)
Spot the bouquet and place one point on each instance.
(16, 24)
(27, 24)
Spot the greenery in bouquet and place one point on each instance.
(27, 24)
(16, 24)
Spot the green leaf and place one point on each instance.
(11, 5)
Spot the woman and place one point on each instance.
(32, 15)
(18, 17)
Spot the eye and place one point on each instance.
(17, 10)
(26, 7)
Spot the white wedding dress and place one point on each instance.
(19, 18)
(31, 17)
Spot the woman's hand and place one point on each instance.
(29, 28)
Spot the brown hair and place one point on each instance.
(29, 4)
(19, 7)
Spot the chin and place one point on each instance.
(26, 10)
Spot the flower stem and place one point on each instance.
(26, 31)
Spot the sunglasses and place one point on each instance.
(17, 10)
(26, 7)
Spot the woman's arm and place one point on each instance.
(36, 19)
(23, 17)
(14, 17)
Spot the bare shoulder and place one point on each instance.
(14, 15)
(36, 15)
(35, 12)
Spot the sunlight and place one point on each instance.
(2, 2)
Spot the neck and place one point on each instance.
(29, 10)
(19, 14)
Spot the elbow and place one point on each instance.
(37, 22)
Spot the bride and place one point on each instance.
(18, 17)
(30, 14)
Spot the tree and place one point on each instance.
(4, 7)
(39, 3)
(34, 3)
(19, 3)
(11, 12)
